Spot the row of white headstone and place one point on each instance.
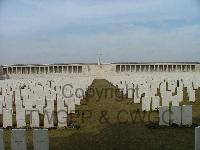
(170, 86)
(179, 115)
(38, 96)
(19, 139)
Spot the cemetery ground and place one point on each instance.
(112, 122)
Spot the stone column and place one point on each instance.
(53, 69)
(149, 68)
(159, 68)
(167, 68)
(25, 70)
(176, 68)
(57, 69)
(181, 68)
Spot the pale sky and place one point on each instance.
(69, 31)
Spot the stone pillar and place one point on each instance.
(140, 68)
(21, 70)
(17, 70)
(57, 69)
(167, 68)
(35, 70)
(53, 69)
(149, 68)
(181, 68)
(25, 70)
(159, 66)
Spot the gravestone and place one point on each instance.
(40, 139)
(18, 139)
(164, 115)
(62, 117)
(20, 118)
(48, 118)
(1, 140)
(175, 115)
(197, 138)
(34, 117)
(7, 118)
(187, 115)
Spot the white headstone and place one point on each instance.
(40, 139)
(7, 117)
(48, 118)
(20, 118)
(187, 115)
(34, 118)
(176, 115)
(62, 117)
(164, 115)
(18, 139)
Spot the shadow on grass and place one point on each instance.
(127, 136)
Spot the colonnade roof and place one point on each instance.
(148, 63)
(117, 63)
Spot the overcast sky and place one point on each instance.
(67, 31)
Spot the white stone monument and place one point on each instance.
(187, 115)
(164, 115)
(175, 115)
(40, 139)
(18, 139)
